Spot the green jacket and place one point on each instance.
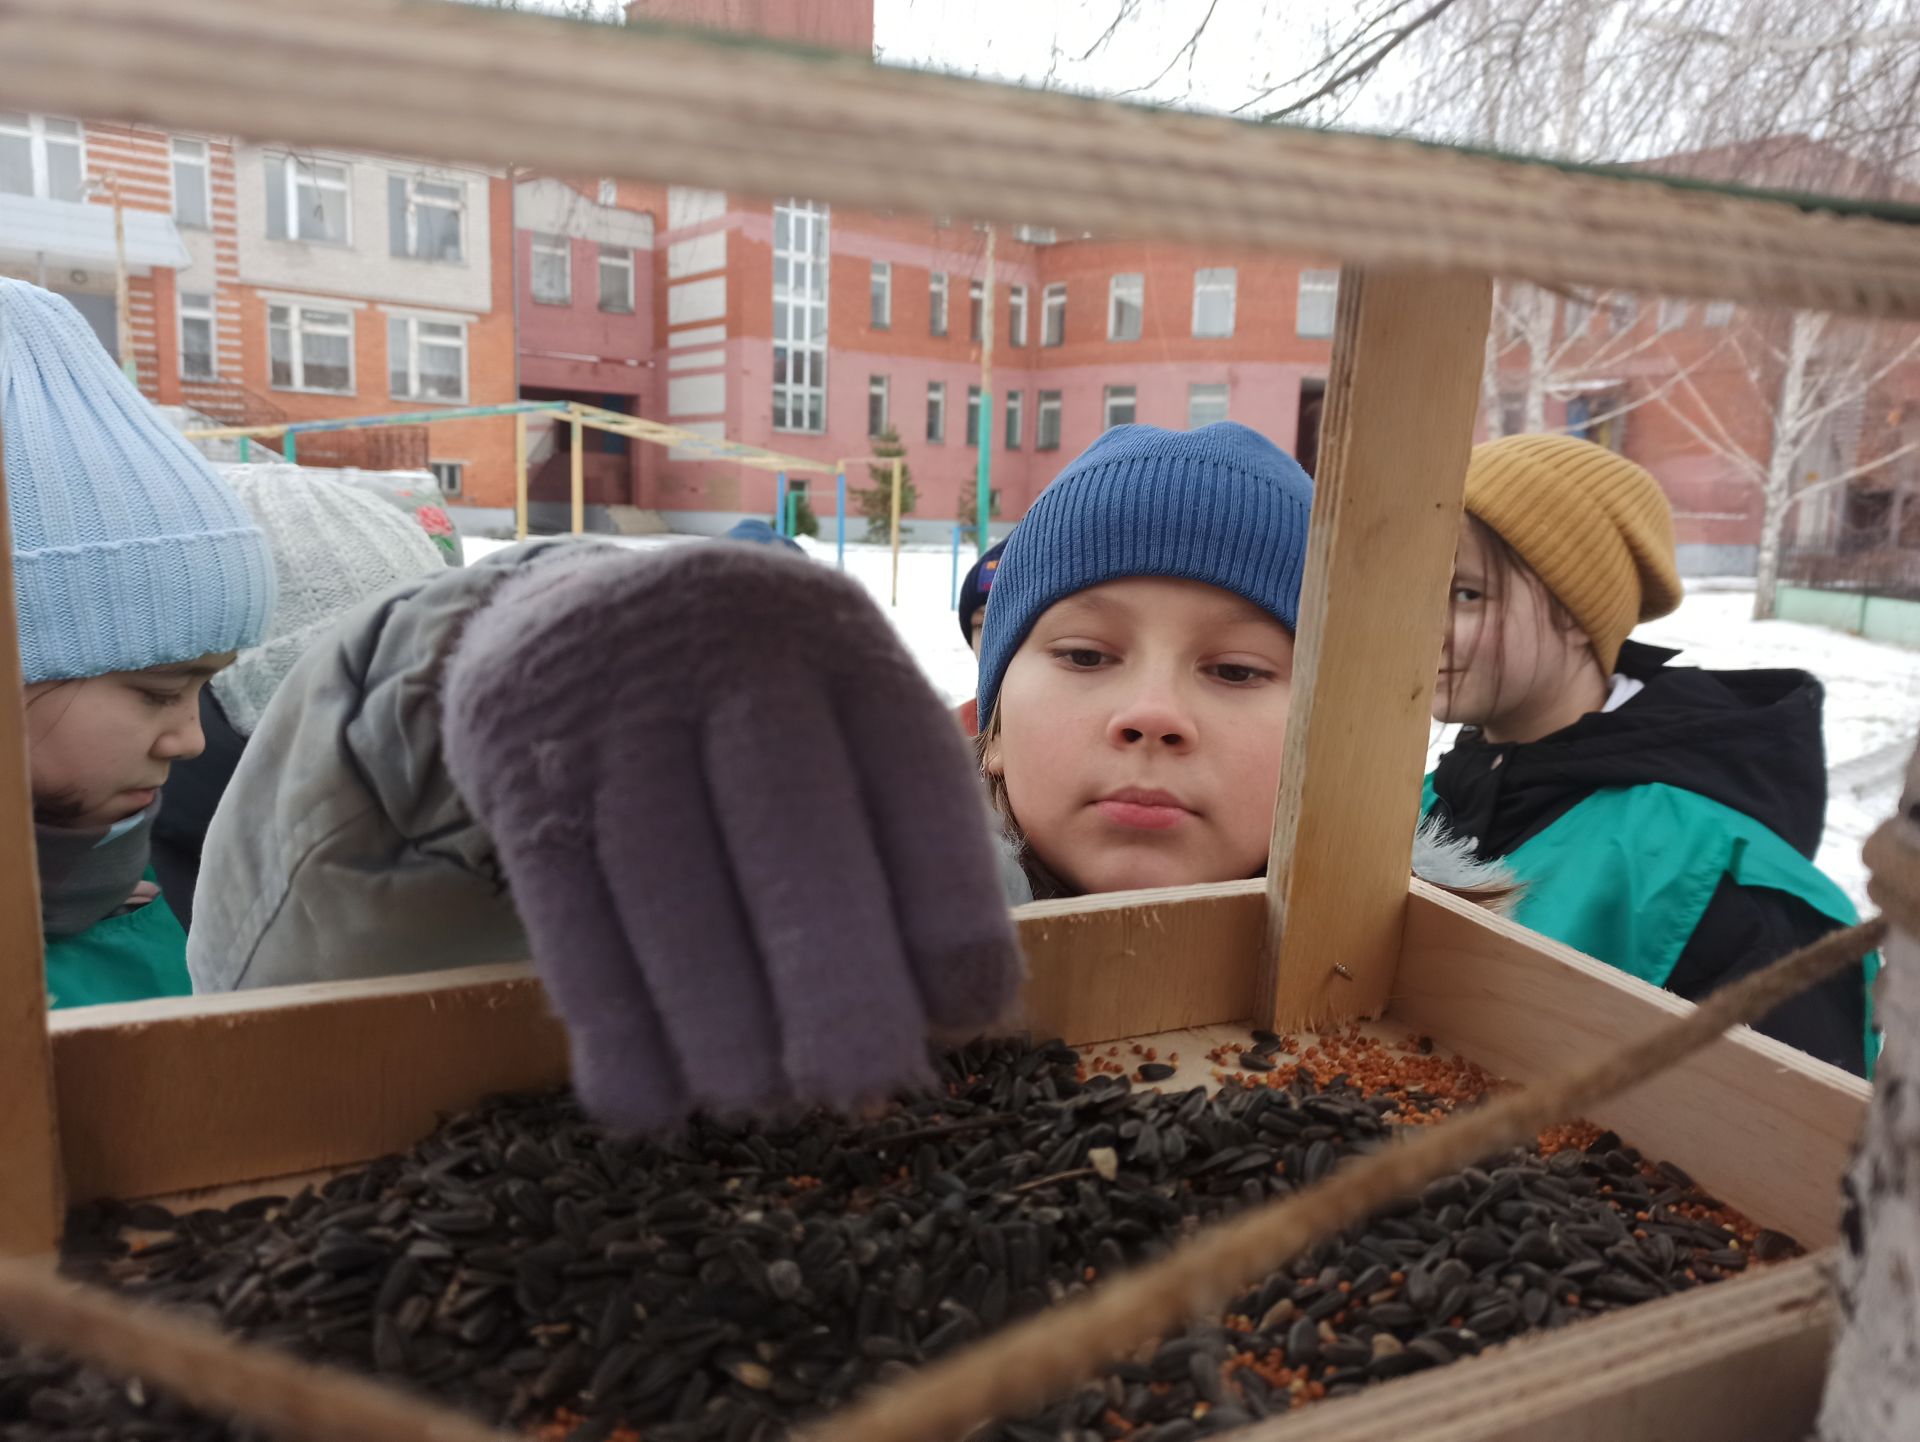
(1626, 875)
(132, 957)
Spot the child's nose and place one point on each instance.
(182, 742)
(1154, 719)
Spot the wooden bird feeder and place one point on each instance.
(167, 1097)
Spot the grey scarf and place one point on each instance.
(87, 874)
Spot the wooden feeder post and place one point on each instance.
(520, 476)
(1402, 398)
(32, 1207)
(894, 599)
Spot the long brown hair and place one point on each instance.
(1507, 573)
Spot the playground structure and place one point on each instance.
(582, 417)
(166, 1097)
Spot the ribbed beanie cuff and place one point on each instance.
(1221, 505)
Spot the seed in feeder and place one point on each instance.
(1253, 1061)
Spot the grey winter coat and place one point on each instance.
(341, 849)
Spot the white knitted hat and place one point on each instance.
(334, 545)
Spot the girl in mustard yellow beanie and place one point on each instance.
(1662, 818)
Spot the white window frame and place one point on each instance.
(458, 469)
(1048, 402)
(1623, 312)
(415, 202)
(1110, 397)
(936, 407)
(1127, 288)
(1319, 293)
(298, 327)
(1673, 313)
(210, 313)
(1212, 282)
(1015, 420)
(290, 169)
(973, 416)
(880, 295)
(1717, 314)
(1053, 302)
(1016, 315)
(1225, 391)
(609, 193)
(619, 258)
(180, 156)
(878, 389)
(806, 260)
(937, 308)
(412, 324)
(34, 132)
(976, 309)
(541, 243)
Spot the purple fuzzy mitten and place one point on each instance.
(747, 840)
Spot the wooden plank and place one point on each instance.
(659, 105)
(30, 1196)
(1742, 1361)
(1768, 1128)
(170, 1095)
(1133, 962)
(1402, 400)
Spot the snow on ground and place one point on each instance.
(1873, 689)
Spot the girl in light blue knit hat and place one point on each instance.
(137, 576)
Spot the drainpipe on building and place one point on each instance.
(983, 493)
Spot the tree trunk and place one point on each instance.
(1873, 1381)
(1783, 460)
(1539, 352)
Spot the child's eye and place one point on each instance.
(1235, 674)
(1081, 658)
(1466, 595)
(159, 700)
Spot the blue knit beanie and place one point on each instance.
(1222, 504)
(128, 551)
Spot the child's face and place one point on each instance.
(99, 748)
(1507, 656)
(1141, 725)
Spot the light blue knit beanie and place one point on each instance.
(128, 551)
(1222, 504)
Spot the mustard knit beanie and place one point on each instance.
(1595, 528)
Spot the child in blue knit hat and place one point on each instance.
(1136, 668)
(1137, 660)
(137, 576)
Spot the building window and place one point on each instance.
(1205, 405)
(1718, 314)
(450, 477)
(40, 156)
(973, 415)
(976, 306)
(1120, 406)
(1213, 302)
(1053, 320)
(425, 218)
(937, 411)
(1126, 300)
(427, 359)
(192, 186)
(1017, 315)
(616, 279)
(307, 200)
(1622, 312)
(880, 295)
(937, 303)
(1046, 422)
(310, 349)
(1319, 302)
(609, 193)
(1673, 314)
(1015, 405)
(876, 405)
(1579, 315)
(552, 269)
(800, 316)
(197, 359)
